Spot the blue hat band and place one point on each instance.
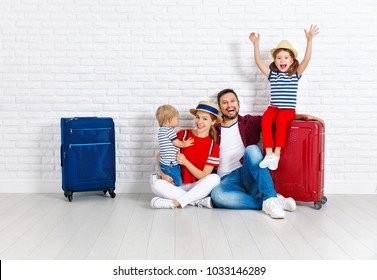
(208, 108)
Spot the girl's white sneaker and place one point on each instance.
(269, 160)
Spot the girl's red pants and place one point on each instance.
(279, 117)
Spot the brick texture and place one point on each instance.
(124, 58)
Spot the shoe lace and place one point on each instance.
(204, 202)
(273, 205)
(168, 203)
(164, 203)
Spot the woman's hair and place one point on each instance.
(212, 130)
(292, 69)
(164, 113)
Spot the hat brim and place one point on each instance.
(193, 111)
(295, 53)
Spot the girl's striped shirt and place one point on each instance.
(283, 90)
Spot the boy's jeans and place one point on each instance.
(173, 171)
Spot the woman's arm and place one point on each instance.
(254, 38)
(196, 172)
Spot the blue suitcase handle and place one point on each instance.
(61, 156)
(84, 118)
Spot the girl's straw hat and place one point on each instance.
(208, 107)
(284, 45)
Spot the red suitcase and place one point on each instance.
(300, 174)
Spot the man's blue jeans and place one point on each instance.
(247, 186)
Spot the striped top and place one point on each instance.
(283, 90)
(168, 152)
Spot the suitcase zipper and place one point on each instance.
(88, 144)
(98, 128)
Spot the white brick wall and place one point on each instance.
(124, 58)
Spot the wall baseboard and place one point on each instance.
(54, 186)
(129, 186)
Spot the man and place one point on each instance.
(244, 185)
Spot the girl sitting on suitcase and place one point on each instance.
(283, 73)
(197, 163)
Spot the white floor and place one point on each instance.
(48, 227)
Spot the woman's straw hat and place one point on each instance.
(208, 107)
(284, 45)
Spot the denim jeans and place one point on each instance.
(247, 186)
(173, 171)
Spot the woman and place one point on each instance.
(197, 163)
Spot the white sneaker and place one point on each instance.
(152, 179)
(269, 160)
(288, 204)
(205, 202)
(271, 207)
(162, 203)
(273, 166)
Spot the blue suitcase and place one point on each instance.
(87, 155)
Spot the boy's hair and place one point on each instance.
(164, 112)
(292, 69)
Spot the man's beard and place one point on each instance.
(225, 116)
(229, 117)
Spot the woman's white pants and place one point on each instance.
(187, 193)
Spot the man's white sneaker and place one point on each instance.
(162, 203)
(269, 160)
(271, 207)
(288, 204)
(205, 202)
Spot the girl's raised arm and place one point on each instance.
(254, 38)
(313, 31)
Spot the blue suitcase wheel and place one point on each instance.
(112, 193)
(69, 195)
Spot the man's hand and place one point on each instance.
(313, 118)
